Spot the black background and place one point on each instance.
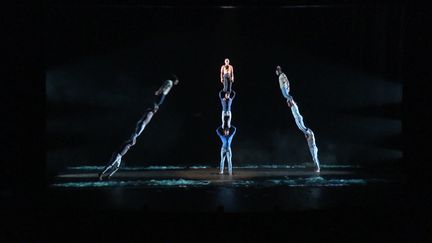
(25, 144)
(105, 62)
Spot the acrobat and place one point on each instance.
(227, 75)
(115, 161)
(165, 89)
(226, 101)
(310, 137)
(226, 137)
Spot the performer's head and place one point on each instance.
(278, 70)
(226, 131)
(227, 95)
(227, 61)
(176, 80)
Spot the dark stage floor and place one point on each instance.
(201, 188)
(257, 203)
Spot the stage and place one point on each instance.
(201, 188)
(262, 200)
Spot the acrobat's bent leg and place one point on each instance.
(285, 93)
(107, 168)
(116, 166)
(125, 147)
(313, 148)
(297, 117)
(225, 84)
(229, 157)
(141, 124)
(222, 162)
(310, 137)
(114, 163)
(223, 119)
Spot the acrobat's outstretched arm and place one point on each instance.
(234, 94)
(232, 74)
(234, 130)
(218, 131)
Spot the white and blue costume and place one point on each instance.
(115, 161)
(310, 137)
(164, 90)
(226, 107)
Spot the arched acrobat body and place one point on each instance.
(115, 161)
(310, 136)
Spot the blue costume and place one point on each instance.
(226, 148)
(226, 107)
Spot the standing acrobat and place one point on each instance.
(226, 138)
(310, 137)
(227, 75)
(226, 101)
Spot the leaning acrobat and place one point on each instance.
(310, 137)
(115, 161)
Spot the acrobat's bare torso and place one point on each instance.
(227, 75)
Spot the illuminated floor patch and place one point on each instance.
(246, 176)
(248, 166)
(247, 183)
(126, 168)
(199, 167)
(339, 166)
(169, 167)
(270, 167)
(321, 182)
(179, 182)
(137, 183)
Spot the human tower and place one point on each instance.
(225, 131)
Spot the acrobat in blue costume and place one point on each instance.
(226, 101)
(310, 137)
(115, 161)
(226, 135)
